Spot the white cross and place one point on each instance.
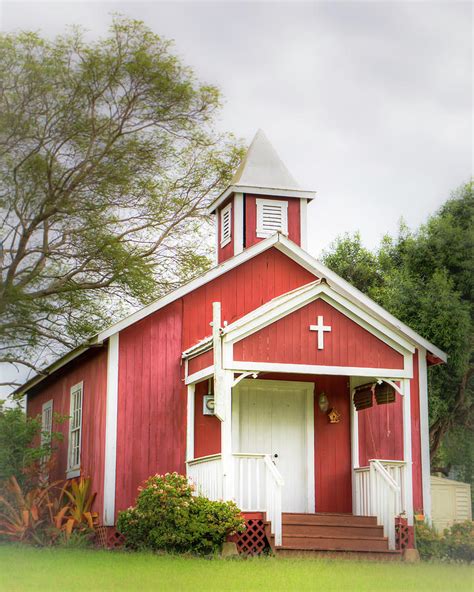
(320, 328)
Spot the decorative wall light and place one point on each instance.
(323, 402)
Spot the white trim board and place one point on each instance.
(424, 434)
(237, 366)
(111, 416)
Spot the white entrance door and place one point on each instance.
(272, 417)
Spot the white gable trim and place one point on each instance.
(285, 305)
(314, 266)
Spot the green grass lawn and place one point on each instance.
(64, 570)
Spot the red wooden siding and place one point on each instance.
(290, 341)
(250, 208)
(151, 432)
(332, 447)
(207, 428)
(200, 362)
(381, 432)
(92, 371)
(227, 251)
(240, 291)
(416, 436)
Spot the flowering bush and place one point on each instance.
(455, 544)
(167, 516)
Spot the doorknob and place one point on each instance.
(275, 456)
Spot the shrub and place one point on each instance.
(49, 514)
(21, 454)
(459, 542)
(168, 517)
(455, 544)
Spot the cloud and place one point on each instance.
(369, 103)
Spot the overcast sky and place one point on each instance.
(368, 103)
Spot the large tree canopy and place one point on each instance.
(426, 279)
(108, 158)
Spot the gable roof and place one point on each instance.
(262, 171)
(297, 254)
(291, 250)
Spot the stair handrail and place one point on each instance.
(384, 504)
(385, 474)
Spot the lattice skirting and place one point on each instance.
(109, 538)
(404, 535)
(253, 541)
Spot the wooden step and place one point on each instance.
(334, 543)
(318, 528)
(332, 519)
(358, 555)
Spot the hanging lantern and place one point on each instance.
(384, 393)
(363, 396)
(323, 402)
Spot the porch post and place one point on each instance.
(223, 404)
(190, 424)
(354, 449)
(226, 438)
(407, 455)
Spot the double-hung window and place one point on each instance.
(75, 431)
(272, 217)
(46, 422)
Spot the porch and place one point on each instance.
(280, 467)
(286, 435)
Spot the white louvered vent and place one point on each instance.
(272, 216)
(226, 225)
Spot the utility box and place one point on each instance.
(450, 501)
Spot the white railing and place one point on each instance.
(206, 474)
(380, 493)
(257, 484)
(258, 487)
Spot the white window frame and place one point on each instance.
(46, 428)
(225, 240)
(75, 431)
(262, 232)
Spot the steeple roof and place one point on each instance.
(262, 171)
(262, 167)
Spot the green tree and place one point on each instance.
(425, 278)
(108, 159)
(22, 449)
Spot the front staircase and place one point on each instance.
(332, 534)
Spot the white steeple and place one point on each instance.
(262, 172)
(262, 167)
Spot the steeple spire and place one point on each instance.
(262, 167)
(262, 172)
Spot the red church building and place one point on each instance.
(268, 380)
